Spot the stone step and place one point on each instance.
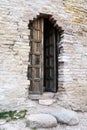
(45, 95)
(46, 102)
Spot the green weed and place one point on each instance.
(13, 115)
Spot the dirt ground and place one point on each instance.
(21, 124)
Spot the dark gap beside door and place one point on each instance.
(50, 57)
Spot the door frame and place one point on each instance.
(51, 19)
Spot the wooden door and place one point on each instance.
(49, 57)
(35, 70)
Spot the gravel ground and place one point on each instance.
(21, 125)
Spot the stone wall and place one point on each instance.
(71, 15)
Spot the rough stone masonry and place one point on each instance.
(71, 15)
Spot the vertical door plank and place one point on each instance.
(36, 57)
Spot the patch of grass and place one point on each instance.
(34, 129)
(28, 125)
(20, 114)
(13, 115)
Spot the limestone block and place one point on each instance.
(64, 116)
(41, 121)
(46, 102)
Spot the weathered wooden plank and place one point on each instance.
(36, 57)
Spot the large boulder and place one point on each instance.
(41, 121)
(63, 115)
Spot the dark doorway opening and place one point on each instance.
(50, 57)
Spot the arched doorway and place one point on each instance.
(43, 56)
